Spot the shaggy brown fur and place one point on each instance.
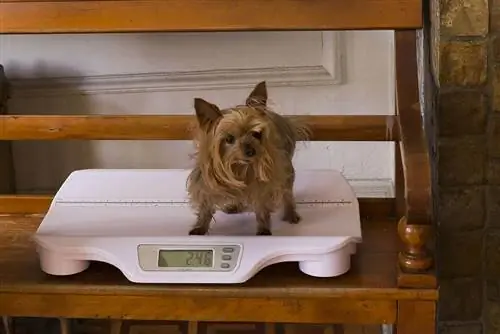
(244, 162)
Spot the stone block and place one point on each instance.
(493, 290)
(462, 113)
(495, 48)
(492, 309)
(461, 161)
(494, 136)
(493, 206)
(493, 171)
(496, 84)
(460, 328)
(464, 17)
(461, 299)
(460, 253)
(462, 208)
(492, 317)
(495, 16)
(492, 254)
(463, 63)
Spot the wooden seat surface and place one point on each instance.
(368, 291)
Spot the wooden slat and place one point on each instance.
(206, 15)
(24, 204)
(39, 204)
(200, 308)
(177, 127)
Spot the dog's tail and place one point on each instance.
(301, 131)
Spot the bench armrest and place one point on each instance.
(415, 225)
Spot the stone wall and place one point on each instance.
(466, 68)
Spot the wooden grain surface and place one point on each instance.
(200, 308)
(415, 228)
(176, 127)
(413, 139)
(22, 16)
(195, 308)
(281, 293)
(411, 280)
(416, 317)
(39, 204)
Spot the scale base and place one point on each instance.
(333, 264)
(328, 265)
(52, 263)
(126, 217)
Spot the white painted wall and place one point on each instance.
(307, 72)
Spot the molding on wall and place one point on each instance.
(328, 72)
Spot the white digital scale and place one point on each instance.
(138, 221)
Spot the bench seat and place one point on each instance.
(368, 291)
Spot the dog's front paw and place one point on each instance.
(292, 217)
(264, 231)
(198, 231)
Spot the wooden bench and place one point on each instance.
(392, 280)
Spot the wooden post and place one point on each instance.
(416, 317)
(415, 227)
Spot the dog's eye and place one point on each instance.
(257, 135)
(230, 139)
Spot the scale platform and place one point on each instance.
(138, 221)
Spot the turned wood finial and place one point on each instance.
(415, 257)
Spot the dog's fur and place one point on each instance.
(244, 162)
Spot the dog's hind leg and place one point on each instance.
(290, 211)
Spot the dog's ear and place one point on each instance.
(258, 96)
(206, 112)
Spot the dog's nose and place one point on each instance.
(249, 151)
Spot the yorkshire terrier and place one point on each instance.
(244, 162)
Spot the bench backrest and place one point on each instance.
(47, 16)
(405, 127)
